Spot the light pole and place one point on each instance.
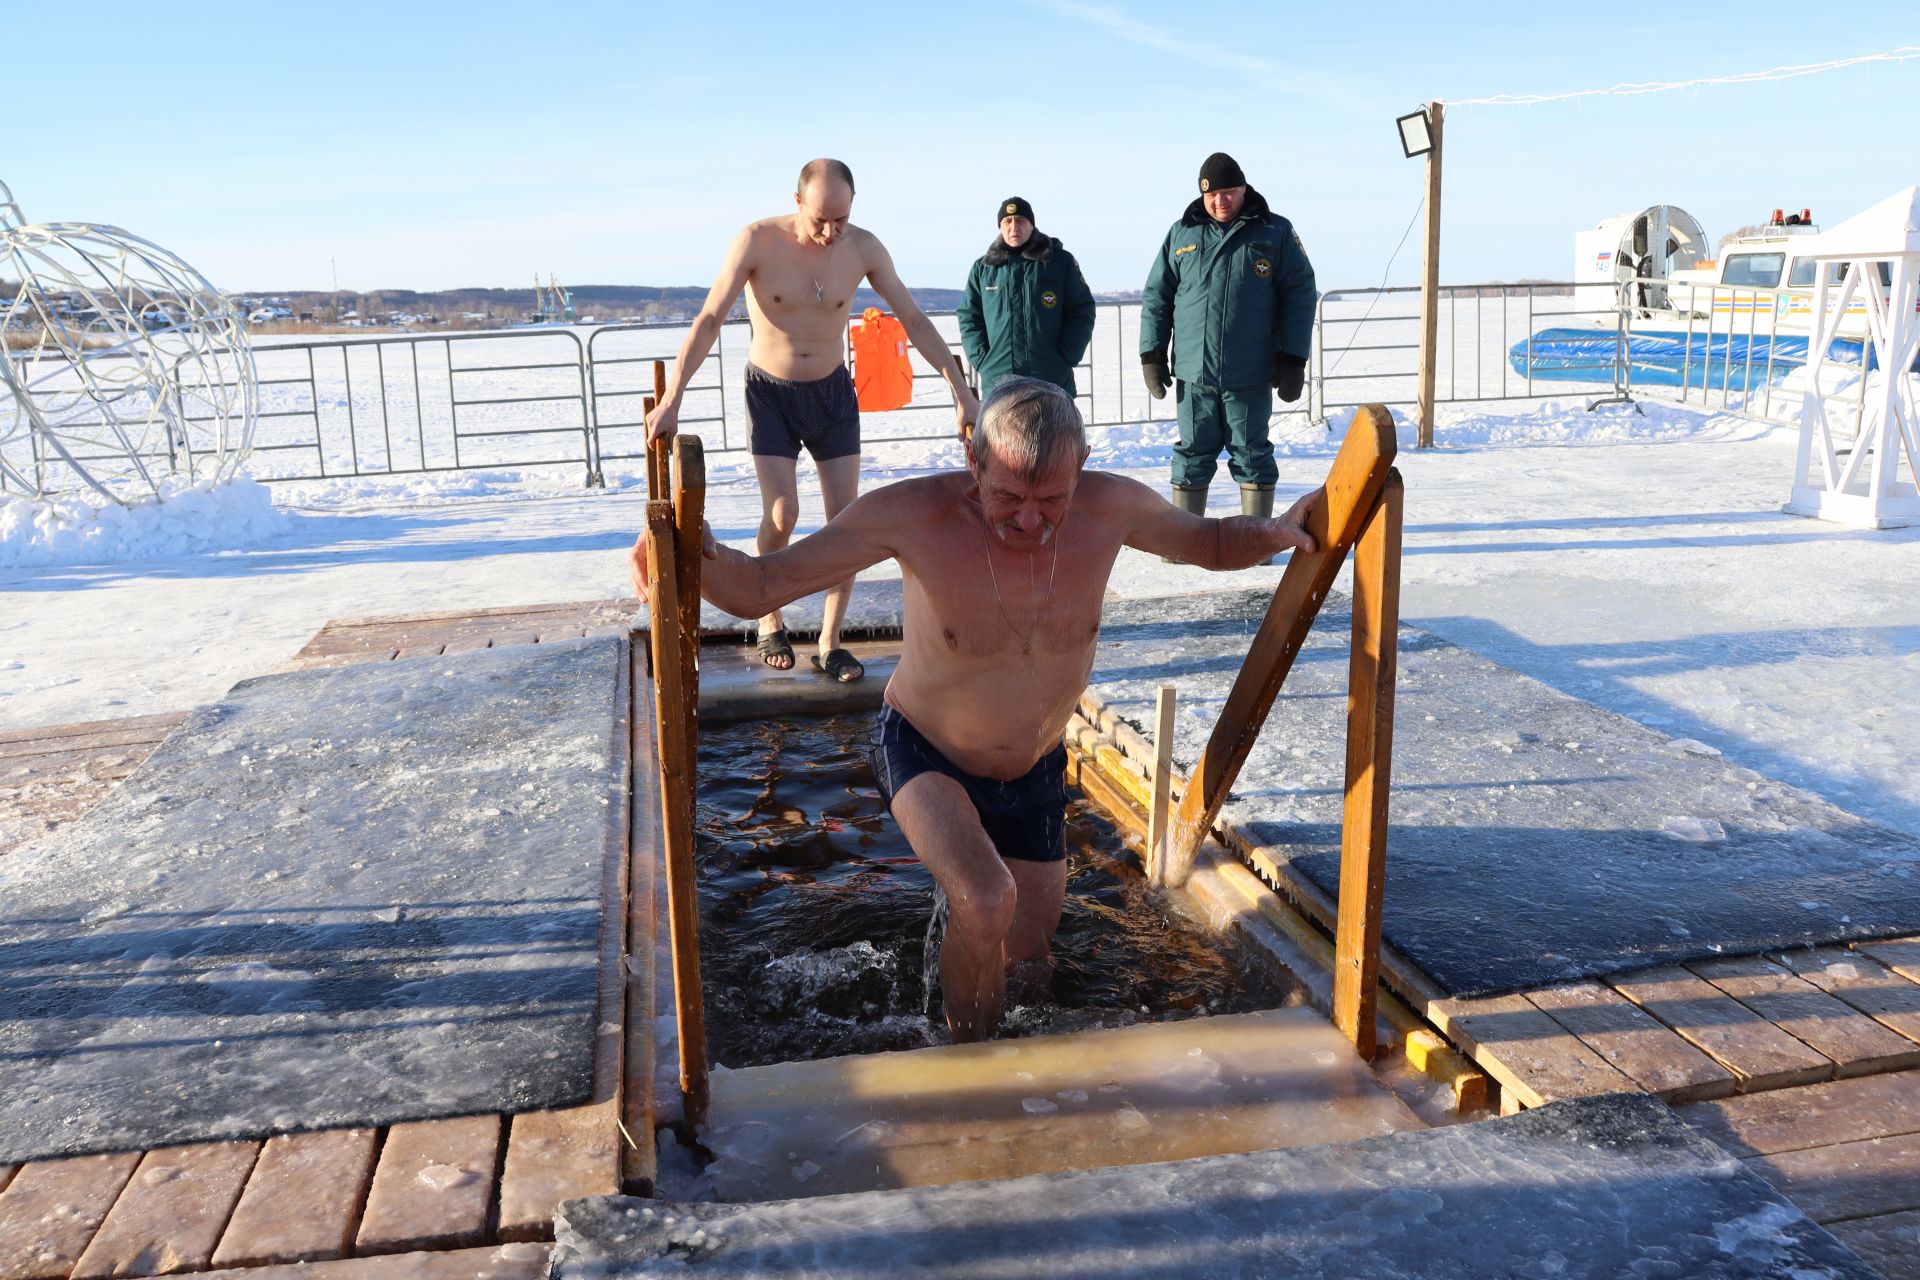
(1420, 135)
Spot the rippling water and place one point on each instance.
(814, 913)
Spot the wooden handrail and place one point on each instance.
(1363, 818)
(1353, 488)
(675, 733)
(1361, 512)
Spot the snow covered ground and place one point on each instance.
(1641, 563)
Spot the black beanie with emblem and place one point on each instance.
(1219, 171)
(1013, 207)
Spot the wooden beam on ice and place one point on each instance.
(1353, 488)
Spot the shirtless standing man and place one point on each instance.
(799, 271)
(1004, 567)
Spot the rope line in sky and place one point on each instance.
(1901, 54)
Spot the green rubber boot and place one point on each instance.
(1257, 500)
(1188, 497)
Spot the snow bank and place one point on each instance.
(187, 520)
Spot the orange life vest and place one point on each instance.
(882, 373)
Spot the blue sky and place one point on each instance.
(430, 145)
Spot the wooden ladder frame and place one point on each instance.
(673, 610)
(1360, 511)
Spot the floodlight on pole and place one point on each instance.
(1416, 133)
(1421, 134)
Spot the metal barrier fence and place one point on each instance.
(1737, 354)
(420, 403)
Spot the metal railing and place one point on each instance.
(1739, 349)
(1349, 321)
(417, 403)
(422, 403)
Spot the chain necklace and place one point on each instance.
(820, 290)
(1026, 638)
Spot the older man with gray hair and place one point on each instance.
(1004, 569)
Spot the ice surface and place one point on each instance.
(1515, 860)
(349, 896)
(1594, 1188)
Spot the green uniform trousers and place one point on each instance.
(1230, 418)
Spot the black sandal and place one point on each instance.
(775, 644)
(837, 663)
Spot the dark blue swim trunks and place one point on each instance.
(1026, 818)
(822, 415)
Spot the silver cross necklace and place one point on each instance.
(1026, 638)
(820, 290)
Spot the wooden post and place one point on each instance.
(1353, 487)
(966, 428)
(1430, 281)
(676, 808)
(1363, 821)
(659, 468)
(689, 513)
(1158, 814)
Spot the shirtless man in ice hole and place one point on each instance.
(1003, 567)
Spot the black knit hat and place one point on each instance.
(1013, 207)
(1219, 171)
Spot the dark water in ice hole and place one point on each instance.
(814, 913)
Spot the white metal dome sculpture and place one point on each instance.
(122, 371)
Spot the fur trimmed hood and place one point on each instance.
(1038, 248)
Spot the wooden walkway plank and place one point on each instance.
(172, 1213)
(1902, 955)
(28, 748)
(501, 1262)
(163, 722)
(1815, 1115)
(51, 1210)
(1888, 1242)
(1862, 982)
(422, 650)
(1534, 1058)
(1759, 1053)
(1857, 1044)
(110, 762)
(1634, 1042)
(1848, 1180)
(434, 1186)
(302, 1201)
(554, 1156)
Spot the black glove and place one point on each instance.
(1289, 375)
(1153, 367)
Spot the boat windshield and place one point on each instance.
(1756, 270)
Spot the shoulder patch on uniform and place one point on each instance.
(1299, 244)
(1185, 248)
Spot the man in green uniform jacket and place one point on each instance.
(1233, 294)
(1028, 311)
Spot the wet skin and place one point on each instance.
(799, 271)
(989, 675)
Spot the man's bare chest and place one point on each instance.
(800, 281)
